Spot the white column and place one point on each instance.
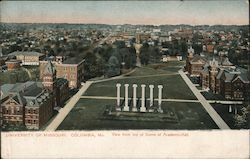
(230, 109)
(126, 107)
(143, 108)
(134, 97)
(160, 98)
(118, 96)
(151, 96)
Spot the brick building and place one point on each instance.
(26, 104)
(59, 86)
(225, 79)
(13, 64)
(28, 57)
(71, 69)
(32, 103)
(194, 63)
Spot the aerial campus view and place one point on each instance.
(124, 65)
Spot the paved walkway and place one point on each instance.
(213, 114)
(167, 100)
(164, 100)
(225, 102)
(67, 108)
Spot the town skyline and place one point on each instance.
(128, 12)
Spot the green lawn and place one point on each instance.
(173, 87)
(88, 115)
(156, 74)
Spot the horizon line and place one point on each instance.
(121, 24)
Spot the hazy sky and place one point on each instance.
(127, 12)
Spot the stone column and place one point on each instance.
(126, 107)
(143, 108)
(151, 96)
(134, 98)
(160, 98)
(118, 96)
(230, 109)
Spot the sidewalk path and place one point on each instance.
(213, 114)
(67, 108)
(164, 100)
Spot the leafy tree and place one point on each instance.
(90, 65)
(113, 68)
(144, 54)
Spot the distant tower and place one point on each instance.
(138, 46)
(190, 52)
(49, 77)
(213, 70)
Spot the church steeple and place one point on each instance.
(213, 70)
(213, 65)
(190, 52)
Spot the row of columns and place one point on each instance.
(143, 106)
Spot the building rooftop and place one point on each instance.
(29, 93)
(27, 53)
(34, 92)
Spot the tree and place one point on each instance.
(90, 65)
(119, 44)
(155, 54)
(144, 54)
(128, 57)
(243, 121)
(113, 67)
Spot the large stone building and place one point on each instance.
(71, 69)
(194, 63)
(32, 103)
(225, 79)
(28, 58)
(59, 86)
(233, 85)
(26, 104)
